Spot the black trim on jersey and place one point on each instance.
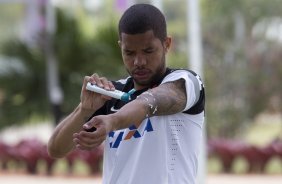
(114, 104)
(200, 105)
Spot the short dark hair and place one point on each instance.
(140, 18)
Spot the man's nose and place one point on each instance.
(139, 61)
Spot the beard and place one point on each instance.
(155, 75)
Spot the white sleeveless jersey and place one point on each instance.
(163, 149)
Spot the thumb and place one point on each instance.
(89, 126)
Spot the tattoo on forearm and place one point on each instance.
(169, 98)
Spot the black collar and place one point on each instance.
(130, 83)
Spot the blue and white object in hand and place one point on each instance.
(115, 94)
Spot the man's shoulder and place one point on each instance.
(181, 70)
(199, 105)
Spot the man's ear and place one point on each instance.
(167, 43)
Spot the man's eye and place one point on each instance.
(128, 53)
(149, 51)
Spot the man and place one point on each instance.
(153, 139)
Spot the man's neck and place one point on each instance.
(154, 83)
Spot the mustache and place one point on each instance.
(137, 69)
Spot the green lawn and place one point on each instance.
(263, 131)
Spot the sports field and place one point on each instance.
(17, 175)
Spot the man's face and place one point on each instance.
(144, 57)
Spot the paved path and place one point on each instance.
(47, 180)
(212, 179)
(244, 179)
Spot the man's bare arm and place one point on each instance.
(60, 142)
(168, 98)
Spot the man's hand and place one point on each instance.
(60, 142)
(88, 140)
(168, 98)
(90, 100)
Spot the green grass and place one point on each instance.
(263, 131)
(214, 165)
(240, 166)
(79, 168)
(274, 166)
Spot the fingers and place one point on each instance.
(99, 81)
(102, 82)
(87, 141)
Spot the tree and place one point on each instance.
(236, 80)
(24, 93)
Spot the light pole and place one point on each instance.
(195, 61)
(54, 91)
